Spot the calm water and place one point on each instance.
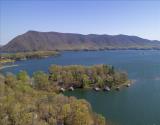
(137, 105)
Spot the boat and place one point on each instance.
(107, 88)
(71, 88)
(62, 90)
(128, 85)
(96, 89)
(22, 59)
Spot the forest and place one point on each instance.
(23, 104)
(35, 100)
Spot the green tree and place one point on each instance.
(101, 120)
(81, 114)
(2, 85)
(40, 80)
(85, 80)
(111, 70)
(100, 82)
(10, 80)
(23, 76)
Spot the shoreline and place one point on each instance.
(99, 49)
(7, 66)
(21, 56)
(87, 50)
(127, 84)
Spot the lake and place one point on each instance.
(136, 105)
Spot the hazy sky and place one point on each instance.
(130, 17)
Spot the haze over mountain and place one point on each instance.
(34, 40)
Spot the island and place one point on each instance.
(97, 77)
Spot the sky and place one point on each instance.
(132, 17)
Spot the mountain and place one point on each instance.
(0, 47)
(34, 40)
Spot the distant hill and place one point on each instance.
(34, 40)
(0, 47)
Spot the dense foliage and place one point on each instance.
(87, 76)
(24, 102)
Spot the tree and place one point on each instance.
(40, 80)
(100, 82)
(2, 85)
(100, 120)
(111, 70)
(80, 113)
(10, 80)
(23, 76)
(120, 78)
(85, 80)
(21, 104)
(106, 69)
(66, 111)
(54, 69)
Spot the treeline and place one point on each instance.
(27, 55)
(23, 103)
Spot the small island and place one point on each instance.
(97, 77)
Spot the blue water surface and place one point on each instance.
(137, 105)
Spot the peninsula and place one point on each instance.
(11, 57)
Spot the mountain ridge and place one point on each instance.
(35, 41)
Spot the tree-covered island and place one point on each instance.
(78, 76)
